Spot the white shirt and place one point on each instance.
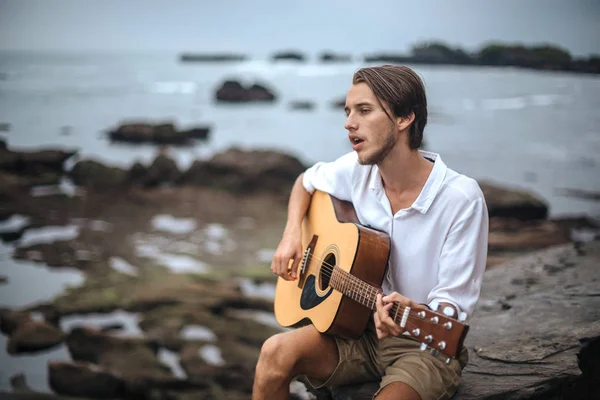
(438, 244)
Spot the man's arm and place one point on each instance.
(290, 247)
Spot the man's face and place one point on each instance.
(370, 130)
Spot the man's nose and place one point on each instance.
(350, 124)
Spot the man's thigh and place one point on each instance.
(428, 375)
(314, 354)
(358, 361)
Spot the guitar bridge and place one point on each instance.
(302, 268)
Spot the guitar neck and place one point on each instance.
(435, 330)
(355, 288)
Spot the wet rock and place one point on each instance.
(60, 253)
(161, 134)
(328, 56)
(34, 163)
(34, 336)
(11, 320)
(288, 56)
(302, 105)
(581, 194)
(512, 203)
(339, 103)
(80, 379)
(137, 173)
(200, 133)
(234, 92)
(246, 171)
(96, 176)
(386, 58)
(531, 236)
(19, 383)
(12, 182)
(224, 57)
(163, 170)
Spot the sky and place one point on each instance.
(262, 26)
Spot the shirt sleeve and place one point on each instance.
(334, 178)
(462, 261)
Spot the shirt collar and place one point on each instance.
(432, 185)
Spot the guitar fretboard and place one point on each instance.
(355, 288)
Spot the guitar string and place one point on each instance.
(356, 285)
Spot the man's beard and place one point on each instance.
(386, 147)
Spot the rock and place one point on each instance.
(195, 57)
(12, 182)
(536, 332)
(4, 127)
(163, 170)
(61, 253)
(512, 203)
(530, 235)
(34, 163)
(19, 383)
(288, 56)
(200, 133)
(33, 336)
(328, 56)
(97, 176)
(137, 173)
(302, 105)
(246, 171)
(339, 103)
(581, 194)
(199, 173)
(2, 144)
(386, 58)
(10, 320)
(234, 92)
(161, 134)
(79, 379)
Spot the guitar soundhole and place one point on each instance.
(326, 271)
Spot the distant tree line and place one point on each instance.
(546, 57)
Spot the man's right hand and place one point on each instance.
(289, 249)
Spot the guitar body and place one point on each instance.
(332, 232)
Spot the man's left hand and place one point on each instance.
(384, 324)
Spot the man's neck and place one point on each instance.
(404, 170)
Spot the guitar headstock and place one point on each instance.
(435, 330)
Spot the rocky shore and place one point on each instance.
(177, 297)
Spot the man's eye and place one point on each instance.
(364, 110)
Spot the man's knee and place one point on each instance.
(275, 359)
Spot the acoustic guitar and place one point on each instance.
(340, 276)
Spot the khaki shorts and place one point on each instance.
(395, 359)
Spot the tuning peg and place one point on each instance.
(448, 360)
(423, 347)
(442, 345)
(462, 316)
(428, 338)
(416, 332)
(448, 325)
(421, 314)
(435, 319)
(434, 352)
(449, 311)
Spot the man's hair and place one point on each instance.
(402, 90)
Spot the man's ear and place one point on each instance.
(404, 122)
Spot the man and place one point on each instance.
(438, 224)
